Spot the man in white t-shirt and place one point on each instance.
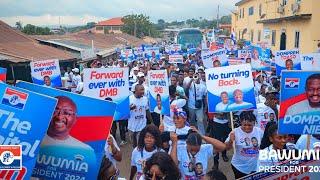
(76, 79)
(312, 103)
(197, 92)
(141, 81)
(139, 110)
(188, 79)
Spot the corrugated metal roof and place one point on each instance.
(22, 48)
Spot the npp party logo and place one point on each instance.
(292, 83)
(14, 98)
(10, 157)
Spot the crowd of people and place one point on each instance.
(180, 145)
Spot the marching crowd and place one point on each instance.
(179, 146)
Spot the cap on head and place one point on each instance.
(140, 74)
(271, 89)
(76, 70)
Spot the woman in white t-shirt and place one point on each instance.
(160, 166)
(192, 158)
(247, 140)
(149, 143)
(180, 128)
(276, 141)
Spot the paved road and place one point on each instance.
(125, 164)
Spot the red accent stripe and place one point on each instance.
(18, 93)
(3, 77)
(92, 128)
(287, 103)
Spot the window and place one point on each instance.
(242, 12)
(260, 9)
(259, 35)
(99, 28)
(297, 39)
(284, 2)
(273, 38)
(250, 11)
(251, 34)
(239, 34)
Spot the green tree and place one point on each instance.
(138, 25)
(19, 25)
(35, 30)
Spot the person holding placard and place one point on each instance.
(247, 140)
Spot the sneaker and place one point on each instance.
(122, 143)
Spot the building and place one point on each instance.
(113, 25)
(17, 50)
(282, 24)
(226, 27)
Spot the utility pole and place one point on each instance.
(218, 18)
(135, 28)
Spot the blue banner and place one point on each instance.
(24, 119)
(74, 144)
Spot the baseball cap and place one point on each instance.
(271, 89)
(140, 74)
(76, 70)
(135, 69)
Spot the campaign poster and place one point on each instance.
(46, 72)
(260, 58)
(73, 146)
(138, 52)
(173, 48)
(152, 53)
(111, 83)
(287, 60)
(244, 54)
(24, 119)
(230, 88)
(299, 102)
(3, 74)
(176, 59)
(235, 61)
(310, 62)
(191, 50)
(216, 58)
(127, 55)
(159, 92)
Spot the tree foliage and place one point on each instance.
(138, 25)
(36, 30)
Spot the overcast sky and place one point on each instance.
(76, 12)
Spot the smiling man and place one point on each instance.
(238, 102)
(312, 103)
(64, 118)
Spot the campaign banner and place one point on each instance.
(159, 92)
(74, 144)
(287, 60)
(3, 74)
(260, 58)
(24, 119)
(244, 54)
(127, 55)
(111, 83)
(235, 61)
(214, 58)
(173, 49)
(230, 88)
(310, 62)
(191, 50)
(152, 53)
(175, 58)
(47, 71)
(303, 171)
(138, 52)
(299, 102)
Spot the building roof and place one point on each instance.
(18, 47)
(111, 22)
(241, 2)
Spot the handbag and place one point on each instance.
(198, 103)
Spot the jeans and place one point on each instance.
(196, 117)
(122, 129)
(134, 137)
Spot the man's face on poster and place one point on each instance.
(216, 63)
(64, 117)
(255, 54)
(289, 64)
(313, 92)
(224, 98)
(47, 81)
(238, 96)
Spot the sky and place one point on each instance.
(79, 12)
